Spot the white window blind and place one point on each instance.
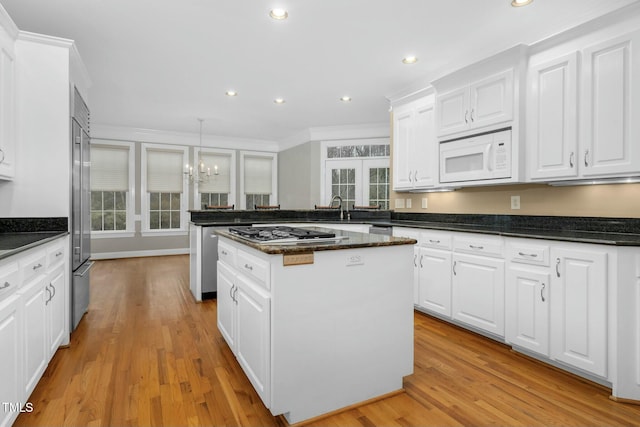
(217, 183)
(258, 175)
(109, 168)
(164, 171)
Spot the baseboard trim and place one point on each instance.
(137, 254)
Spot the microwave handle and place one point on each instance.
(487, 153)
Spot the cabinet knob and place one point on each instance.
(248, 267)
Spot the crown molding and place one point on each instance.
(7, 23)
(121, 133)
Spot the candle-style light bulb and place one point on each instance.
(215, 169)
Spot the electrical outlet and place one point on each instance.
(515, 202)
(424, 203)
(355, 259)
(399, 203)
(407, 203)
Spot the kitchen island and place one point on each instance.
(318, 326)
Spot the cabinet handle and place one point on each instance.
(48, 299)
(58, 254)
(421, 256)
(1, 153)
(530, 255)
(415, 257)
(434, 241)
(231, 291)
(472, 119)
(586, 158)
(248, 267)
(54, 290)
(234, 295)
(465, 116)
(454, 268)
(5, 286)
(571, 158)
(476, 247)
(558, 267)
(541, 292)
(35, 267)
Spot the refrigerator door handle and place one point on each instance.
(83, 271)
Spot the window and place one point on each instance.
(111, 189)
(258, 176)
(163, 189)
(358, 173)
(220, 189)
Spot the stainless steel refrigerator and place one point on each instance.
(81, 213)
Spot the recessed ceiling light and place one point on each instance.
(409, 60)
(518, 3)
(232, 93)
(279, 101)
(345, 98)
(278, 14)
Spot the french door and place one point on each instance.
(358, 182)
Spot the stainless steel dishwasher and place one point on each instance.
(209, 263)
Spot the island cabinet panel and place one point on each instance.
(303, 341)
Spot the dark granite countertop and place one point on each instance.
(21, 234)
(596, 230)
(348, 240)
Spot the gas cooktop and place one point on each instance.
(281, 234)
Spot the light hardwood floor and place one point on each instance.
(147, 354)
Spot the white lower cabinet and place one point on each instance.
(244, 310)
(478, 292)
(579, 315)
(55, 307)
(435, 281)
(11, 359)
(34, 332)
(527, 307)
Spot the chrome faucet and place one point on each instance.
(333, 199)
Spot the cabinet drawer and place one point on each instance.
(528, 253)
(254, 267)
(56, 255)
(482, 245)
(436, 239)
(226, 253)
(33, 265)
(9, 279)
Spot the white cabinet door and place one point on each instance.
(579, 309)
(527, 293)
(7, 107)
(491, 100)
(478, 292)
(402, 144)
(34, 333)
(611, 107)
(55, 305)
(552, 118)
(423, 152)
(253, 345)
(435, 281)
(453, 111)
(11, 391)
(226, 303)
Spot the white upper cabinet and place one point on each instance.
(581, 105)
(8, 32)
(477, 105)
(552, 118)
(414, 145)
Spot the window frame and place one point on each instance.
(145, 199)
(273, 198)
(131, 191)
(232, 174)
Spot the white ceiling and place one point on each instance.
(160, 64)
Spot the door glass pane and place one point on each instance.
(379, 187)
(344, 185)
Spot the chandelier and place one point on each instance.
(202, 173)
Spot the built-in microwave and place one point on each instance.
(476, 158)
